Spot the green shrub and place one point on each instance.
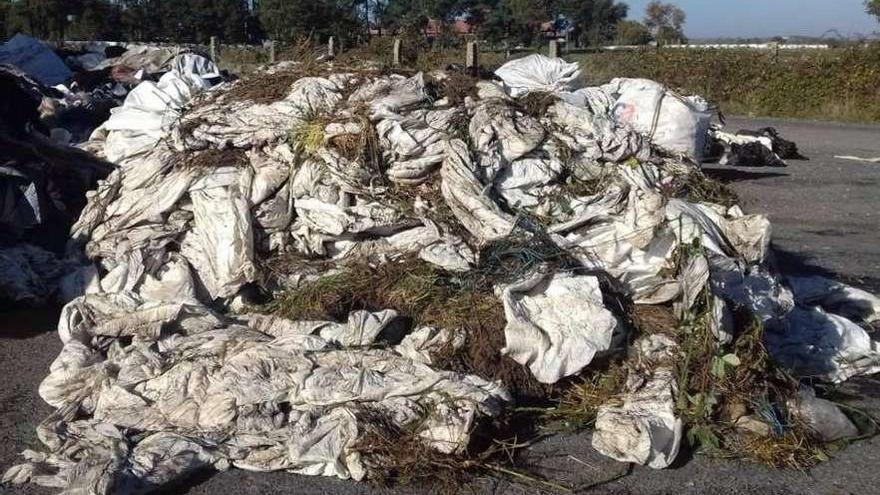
(835, 84)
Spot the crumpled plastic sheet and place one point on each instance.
(170, 241)
(746, 150)
(556, 324)
(800, 333)
(538, 73)
(835, 297)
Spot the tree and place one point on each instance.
(4, 12)
(40, 18)
(873, 8)
(96, 20)
(294, 19)
(517, 21)
(666, 22)
(594, 21)
(632, 33)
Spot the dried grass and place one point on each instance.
(696, 187)
(262, 88)
(429, 297)
(210, 158)
(395, 455)
(792, 450)
(536, 103)
(653, 319)
(308, 136)
(455, 86)
(579, 402)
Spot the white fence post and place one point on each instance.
(395, 55)
(554, 49)
(472, 57)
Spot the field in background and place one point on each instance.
(840, 84)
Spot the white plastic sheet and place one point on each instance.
(538, 73)
(556, 324)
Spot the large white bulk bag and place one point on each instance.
(675, 123)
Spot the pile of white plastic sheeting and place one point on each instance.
(362, 166)
(253, 392)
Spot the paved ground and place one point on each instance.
(825, 215)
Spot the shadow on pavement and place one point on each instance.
(736, 175)
(792, 263)
(23, 323)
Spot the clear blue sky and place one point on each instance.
(753, 18)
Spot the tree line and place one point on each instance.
(519, 22)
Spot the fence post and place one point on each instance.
(395, 54)
(331, 47)
(272, 51)
(213, 48)
(554, 49)
(472, 57)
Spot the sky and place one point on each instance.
(761, 18)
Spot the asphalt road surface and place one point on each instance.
(825, 218)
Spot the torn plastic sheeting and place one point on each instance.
(244, 124)
(523, 183)
(423, 343)
(623, 233)
(556, 324)
(750, 286)
(445, 251)
(747, 151)
(835, 297)
(150, 108)
(415, 145)
(467, 197)
(501, 134)
(815, 343)
(390, 96)
(822, 416)
(596, 135)
(220, 244)
(35, 58)
(538, 73)
(746, 236)
(642, 427)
